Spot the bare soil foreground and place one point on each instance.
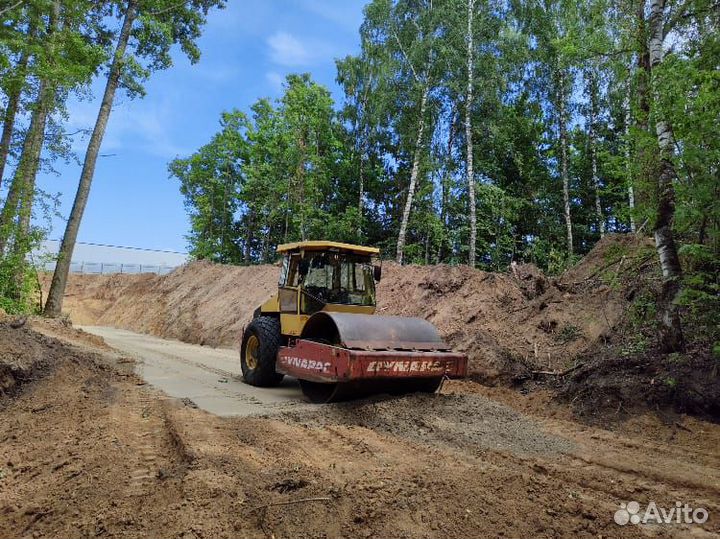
(89, 449)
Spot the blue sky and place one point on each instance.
(247, 50)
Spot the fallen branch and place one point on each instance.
(641, 227)
(291, 502)
(559, 373)
(620, 261)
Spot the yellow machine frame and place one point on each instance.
(293, 322)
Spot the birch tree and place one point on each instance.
(469, 38)
(420, 66)
(671, 335)
(627, 153)
(562, 118)
(592, 83)
(400, 250)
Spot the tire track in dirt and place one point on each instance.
(148, 434)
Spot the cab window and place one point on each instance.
(339, 278)
(284, 271)
(289, 274)
(293, 272)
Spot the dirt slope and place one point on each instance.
(88, 451)
(507, 323)
(199, 303)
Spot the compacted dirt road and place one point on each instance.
(88, 448)
(209, 377)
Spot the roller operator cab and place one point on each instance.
(320, 327)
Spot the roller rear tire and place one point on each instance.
(258, 352)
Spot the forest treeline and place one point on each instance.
(483, 132)
(475, 132)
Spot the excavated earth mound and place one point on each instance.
(24, 357)
(510, 324)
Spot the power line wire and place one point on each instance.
(125, 247)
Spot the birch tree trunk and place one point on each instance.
(20, 195)
(592, 136)
(642, 117)
(413, 177)
(362, 126)
(628, 166)
(562, 120)
(361, 194)
(671, 335)
(250, 236)
(301, 186)
(445, 188)
(54, 303)
(13, 102)
(468, 134)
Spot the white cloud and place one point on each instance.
(215, 73)
(150, 128)
(137, 125)
(345, 14)
(287, 50)
(276, 80)
(240, 18)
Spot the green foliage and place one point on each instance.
(550, 257)
(637, 345)
(160, 25)
(22, 297)
(355, 188)
(568, 334)
(211, 186)
(615, 252)
(497, 212)
(19, 285)
(700, 294)
(268, 179)
(643, 311)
